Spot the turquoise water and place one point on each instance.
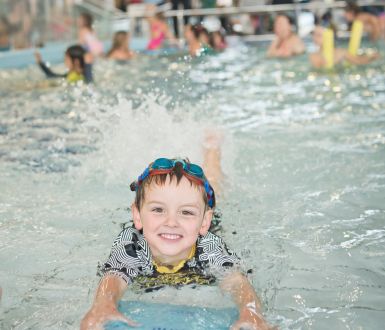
(303, 154)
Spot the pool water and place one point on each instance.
(303, 201)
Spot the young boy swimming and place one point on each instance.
(170, 243)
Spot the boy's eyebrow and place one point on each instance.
(191, 205)
(155, 202)
(196, 205)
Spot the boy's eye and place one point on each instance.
(187, 212)
(157, 210)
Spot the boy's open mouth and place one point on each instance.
(172, 237)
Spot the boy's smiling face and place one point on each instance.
(172, 216)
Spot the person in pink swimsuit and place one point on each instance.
(159, 32)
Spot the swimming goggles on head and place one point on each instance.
(166, 165)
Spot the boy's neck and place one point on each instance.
(170, 262)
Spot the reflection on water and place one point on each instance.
(303, 205)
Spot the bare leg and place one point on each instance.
(212, 159)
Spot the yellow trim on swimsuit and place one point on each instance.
(173, 269)
(73, 77)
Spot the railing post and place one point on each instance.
(180, 22)
(297, 11)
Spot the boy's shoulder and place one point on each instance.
(212, 249)
(128, 235)
(209, 238)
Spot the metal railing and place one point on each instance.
(42, 21)
(296, 8)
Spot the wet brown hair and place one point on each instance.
(352, 7)
(176, 173)
(119, 39)
(88, 19)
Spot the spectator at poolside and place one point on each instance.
(122, 4)
(87, 36)
(286, 42)
(5, 42)
(340, 55)
(372, 23)
(186, 4)
(120, 49)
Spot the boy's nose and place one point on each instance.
(171, 220)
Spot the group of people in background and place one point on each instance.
(287, 43)
(79, 58)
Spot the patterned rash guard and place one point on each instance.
(131, 259)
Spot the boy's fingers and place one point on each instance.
(122, 318)
(243, 326)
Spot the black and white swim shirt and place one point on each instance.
(131, 259)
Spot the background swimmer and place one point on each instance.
(372, 23)
(120, 49)
(197, 40)
(87, 36)
(160, 32)
(217, 41)
(77, 62)
(318, 60)
(286, 43)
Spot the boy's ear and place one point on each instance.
(206, 222)
(136, 217)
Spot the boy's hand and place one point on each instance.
(250, 319)
(98, 316)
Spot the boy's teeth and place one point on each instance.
(171, 236)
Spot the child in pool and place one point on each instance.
(217, 41)
(340, 55)
(77, 62)
(197, 39)
(120, 49)
(160, 32)
(87, 37)
(170, 243)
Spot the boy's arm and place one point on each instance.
(243, 294)
(104, 307)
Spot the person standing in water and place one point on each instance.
(120, 49)
(372, 23)
(87, 36)
(286, 42)
(77, 61)
(160, 32)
